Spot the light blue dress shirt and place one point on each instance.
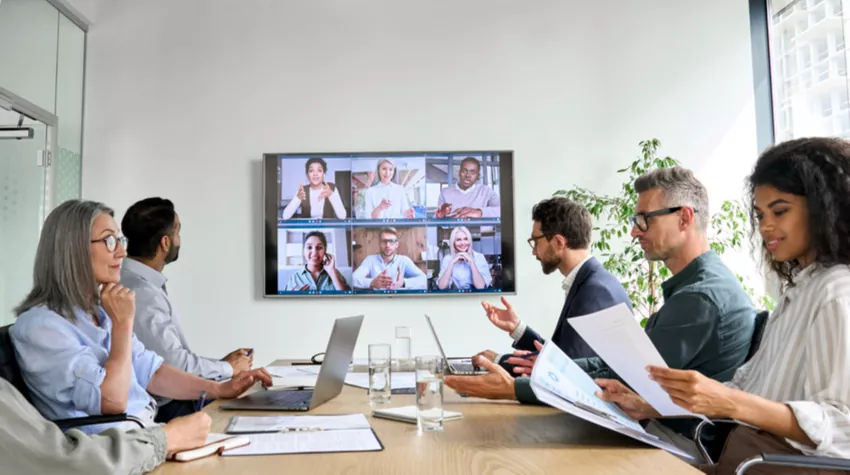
(303, 277)
(373, 265)
(462, 273)
(156, 325)
(63, 365)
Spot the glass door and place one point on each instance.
(24, 200)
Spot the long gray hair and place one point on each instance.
(63, 276)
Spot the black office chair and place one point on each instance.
(710, 450)
(10, 371)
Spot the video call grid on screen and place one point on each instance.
(389, 223)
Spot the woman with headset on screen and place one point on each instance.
(463, 268)
(319, 271)
(320, 199)
(387, 199)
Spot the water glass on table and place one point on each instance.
(380, 360)
(402, 348)
(429, 393)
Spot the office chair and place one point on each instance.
(10, 371)
(724, 426)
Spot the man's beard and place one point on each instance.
(550, 264)
(173, 254)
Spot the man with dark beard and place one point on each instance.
(152, 228)
(560, 240)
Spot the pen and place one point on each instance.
(525, 357)
(201, 401)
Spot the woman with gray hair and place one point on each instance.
(74, 334)
(463, 268)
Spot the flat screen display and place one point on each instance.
(388, 223)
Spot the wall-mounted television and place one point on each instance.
(388, 223)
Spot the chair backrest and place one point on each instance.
(9, 369)
(758, 332)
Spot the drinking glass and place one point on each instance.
(380, 359)
(403, 348)
(429, 393)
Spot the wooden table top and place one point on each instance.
(492, 438)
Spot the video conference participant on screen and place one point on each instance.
(386, 199)
(319, 272)
(319, 199)
(463, 268)
(466, 199)
(388, 270)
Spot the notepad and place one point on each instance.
(215, 444)
(356, 440)
(409, 413)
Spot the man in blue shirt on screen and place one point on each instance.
(388, 270)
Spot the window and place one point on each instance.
(808, 68)
(821, 48)
(825, 106)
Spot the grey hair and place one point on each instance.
(680, 188)
(63, 275)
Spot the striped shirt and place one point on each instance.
(804, 358)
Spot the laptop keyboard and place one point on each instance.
(290, 398)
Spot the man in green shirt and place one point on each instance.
(707, 320)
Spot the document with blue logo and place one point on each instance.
(557, 381)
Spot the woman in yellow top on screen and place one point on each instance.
(463, 268)
(319, 271)
(387, 199)
(320, 199)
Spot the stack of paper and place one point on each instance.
(556, 380)
(401, 380)
(284, 377)
(616, 337)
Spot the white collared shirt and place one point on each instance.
(804, 358)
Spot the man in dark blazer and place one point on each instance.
(560, 240)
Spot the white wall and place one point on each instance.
(184, 97)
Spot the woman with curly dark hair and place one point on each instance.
(795, 391)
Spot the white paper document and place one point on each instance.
(401, 380)
(257, 424)
(557, 381)
(357, 440)
(292, 377)
(615, 335)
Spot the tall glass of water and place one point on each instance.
(380, 359)
(429, 393)
(403, 348)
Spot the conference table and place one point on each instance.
(493, 437)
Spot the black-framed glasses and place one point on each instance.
(532, 241)
(112, 241)
(641, 220)
(389, 241)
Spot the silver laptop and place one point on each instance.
(328, 385)
(458, 366)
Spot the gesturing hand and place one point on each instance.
(330, 263)
(399, 280)
(326, 191)
(504, 318)
(301, 195)
(119, 303)
(381, 281)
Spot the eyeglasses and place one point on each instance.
(641, 220)
(532, 241)
(112, 241)
(389, 241)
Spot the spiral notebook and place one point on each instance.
(216, 444)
